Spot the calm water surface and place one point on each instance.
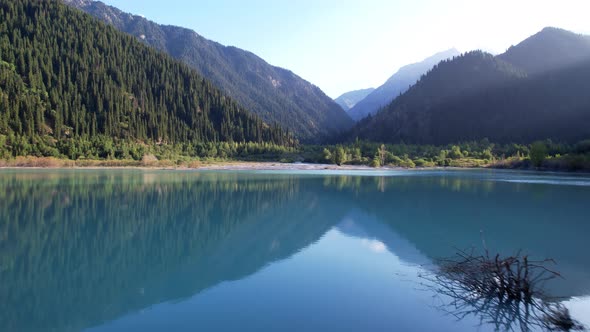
(129, 250)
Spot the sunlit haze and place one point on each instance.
(343, 45)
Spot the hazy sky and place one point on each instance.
(343, 45)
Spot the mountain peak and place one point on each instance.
(398, 84)
(549, 49)
(349, 99)
(554, 30)
(78, 3)
(451, 52)
(476, 96)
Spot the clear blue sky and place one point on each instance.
(343, 45)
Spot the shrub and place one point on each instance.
(407, 163)
(423, 163)
(538, 153)
(376, 162)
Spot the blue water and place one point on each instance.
(132, 250)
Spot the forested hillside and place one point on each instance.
(537, 90)
(68, 80)
(275, 94)
(408, 117)
(547, 50)
(397, 84)
(554, 105)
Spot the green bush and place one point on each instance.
(423, 163)
(376, 162)
(407, 163)
(538, 153)
(456, 152)
(340, 156)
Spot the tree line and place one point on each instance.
(539, 154)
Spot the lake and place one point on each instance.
(149, 250)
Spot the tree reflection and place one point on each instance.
(81, 248)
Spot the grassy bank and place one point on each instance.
(570, 163)
(541, 155)
(538, 156)
(51, 162)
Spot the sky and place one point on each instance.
(345, 45)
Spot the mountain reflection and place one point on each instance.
(81, 248)
(438, 214)
(78, 250)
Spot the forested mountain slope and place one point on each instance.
(275, 94)
(547, 50)
(537, 90)
(397, 84)
(408, 117)
(65, 76)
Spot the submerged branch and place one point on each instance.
(506, 292)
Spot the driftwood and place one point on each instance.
(506, 292)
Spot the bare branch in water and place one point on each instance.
(506, 292)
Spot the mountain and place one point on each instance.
(477, 96)
(66, 78)
(349, 99)
(408, 117)
(275, 94)
(553, 105)
(397, 84)
(547, 50)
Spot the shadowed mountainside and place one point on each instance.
(397, 84)
(536, 90)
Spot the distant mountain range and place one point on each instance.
(349, 99)
(275, 94)
(397, 84)
(538, 89)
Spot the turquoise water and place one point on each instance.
(130, 250)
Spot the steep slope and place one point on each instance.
(552, 105)
(409, 117)
(397, 84)
(349, 99)
(542, 93)
(275, 94)
(547, 50)
(66, 76)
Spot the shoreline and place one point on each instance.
(33, 163)
(262, 166)
(61, 164)
(221, 165)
